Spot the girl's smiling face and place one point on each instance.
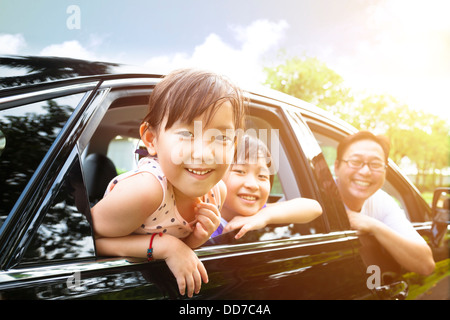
(194, 157)
(248, 188)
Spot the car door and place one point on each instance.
(48, 250)
(308, 261)
(47, 245)
(37, 130)
(386, 278)
(311, 261)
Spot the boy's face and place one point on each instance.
(248, 188)
(194, 157)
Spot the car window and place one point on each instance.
(267, 126)
(117, 138)
(26, 134)
(121, 150)
(65, 231)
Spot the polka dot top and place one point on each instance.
(166, 218)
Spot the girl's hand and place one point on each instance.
(188, 270)
(206, 222)
(246, 224)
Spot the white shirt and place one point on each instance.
(383, 207)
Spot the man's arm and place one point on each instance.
(411, 254)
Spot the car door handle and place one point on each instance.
(394, 291)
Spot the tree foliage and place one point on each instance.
(310, 80)
(421, 137)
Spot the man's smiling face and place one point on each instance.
(357, 185)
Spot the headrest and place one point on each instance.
(99, 170)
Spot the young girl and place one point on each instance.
(171, 203)
(248, 186)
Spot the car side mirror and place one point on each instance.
(440, 210)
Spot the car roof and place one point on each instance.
(21, 72)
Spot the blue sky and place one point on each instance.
(398, 47)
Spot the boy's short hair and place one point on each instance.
(383, 141)
(249, 149)
(187, 93)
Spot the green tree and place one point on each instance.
(310, 80)
(424, 138)
(420, 136)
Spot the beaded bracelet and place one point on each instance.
(150, 248)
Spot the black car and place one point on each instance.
(68, 126)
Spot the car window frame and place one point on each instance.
(121, 96)
(325, 188)
(15, 232)
(70, 169)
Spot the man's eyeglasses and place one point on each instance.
(377, 166)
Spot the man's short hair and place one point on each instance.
(383, 141)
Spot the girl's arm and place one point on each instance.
(127, 206)
(123, 210)
(188, 270)
(299, 210)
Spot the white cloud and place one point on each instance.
(70, 49)
(11, 43)
(260, 36)
(243, 64)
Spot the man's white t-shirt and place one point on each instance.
(383, 207)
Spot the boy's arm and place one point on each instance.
(299, 210)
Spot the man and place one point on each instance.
(361, 171)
